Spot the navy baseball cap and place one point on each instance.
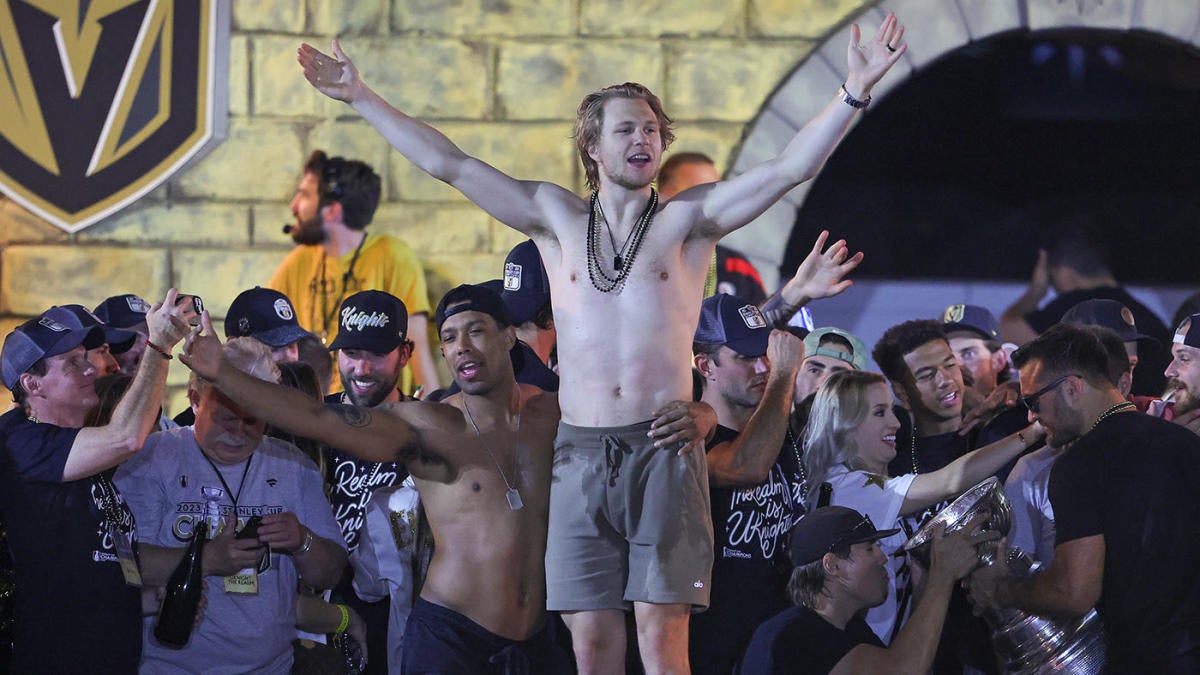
(734, 322)
(1109, 314)
(372, 320)
(119, 341)
(123, 311)
(264, 314)
(1190, 337)
(973, 319)
(472, 298)
(56, 331)
(526, 286)
(828, 529)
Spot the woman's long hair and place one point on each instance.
(839, 406)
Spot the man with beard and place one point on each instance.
(1184, 376)
(372, 347)
(1125, 511)
(333, 205)
(626, 276)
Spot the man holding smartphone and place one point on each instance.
(224, 471)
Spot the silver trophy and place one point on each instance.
(1028, 644)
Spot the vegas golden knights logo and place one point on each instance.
(103, 100)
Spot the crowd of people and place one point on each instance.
(630, 470)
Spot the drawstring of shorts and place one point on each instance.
(614, 454)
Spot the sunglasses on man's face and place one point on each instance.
(1032, 401)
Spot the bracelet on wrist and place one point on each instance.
(305, 545)
(164, 353)
(345, 622)
(851, 101)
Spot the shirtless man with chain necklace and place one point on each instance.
(625, 333)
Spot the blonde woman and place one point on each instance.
(849, 440)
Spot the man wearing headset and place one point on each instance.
(334, 203)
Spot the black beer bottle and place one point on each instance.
(178, 611)
(825, 495)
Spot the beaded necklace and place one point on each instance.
(791, 439)
(622, 264)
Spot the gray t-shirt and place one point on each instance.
(163, 486)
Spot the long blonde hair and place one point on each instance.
(839, 406)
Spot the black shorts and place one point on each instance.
(440, 640)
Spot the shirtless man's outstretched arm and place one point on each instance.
(370, 434)
(723, 207)
(527, 206)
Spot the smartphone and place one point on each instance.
(250, 529)
(191, 307)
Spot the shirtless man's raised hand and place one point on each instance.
(627, 274)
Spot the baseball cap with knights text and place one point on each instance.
(374, 321)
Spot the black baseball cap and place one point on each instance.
(734, 322)
(1110, 314)
(526, 286)
(123, 311)
(1190, 337)
(372, 320)
(56, 331)
(119, 341)
(830, 528)
(472, 298)
(973, 319)
(264, 314)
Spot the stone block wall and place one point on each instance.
(501, 78)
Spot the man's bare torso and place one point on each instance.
(624, 354)
(489, 560)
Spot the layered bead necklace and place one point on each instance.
(622, 262)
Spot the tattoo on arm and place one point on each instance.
(777, 312)
(351, 416)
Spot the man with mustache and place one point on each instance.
(224, 471)
(627, 276)
(1184, 374)
(372, 347)
(334, 203)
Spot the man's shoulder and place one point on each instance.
(276, 451)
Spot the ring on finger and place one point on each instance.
(891, 49)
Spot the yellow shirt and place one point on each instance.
(313, 282)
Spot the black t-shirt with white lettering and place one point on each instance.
(798, 641)
(74, 611)
(750, 563)
(1135, 480)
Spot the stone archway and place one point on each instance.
(939, 27)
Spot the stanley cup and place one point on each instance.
(1024, 643)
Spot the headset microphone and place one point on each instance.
(287, 229)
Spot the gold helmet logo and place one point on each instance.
(101, 102)
(953, 314)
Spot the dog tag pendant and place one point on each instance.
(514, 499)
(617, 263)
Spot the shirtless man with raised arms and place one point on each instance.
(626, 274)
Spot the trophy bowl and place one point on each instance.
(986, 497)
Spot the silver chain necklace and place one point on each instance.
(513, 495)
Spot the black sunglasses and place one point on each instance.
(1032, 401)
